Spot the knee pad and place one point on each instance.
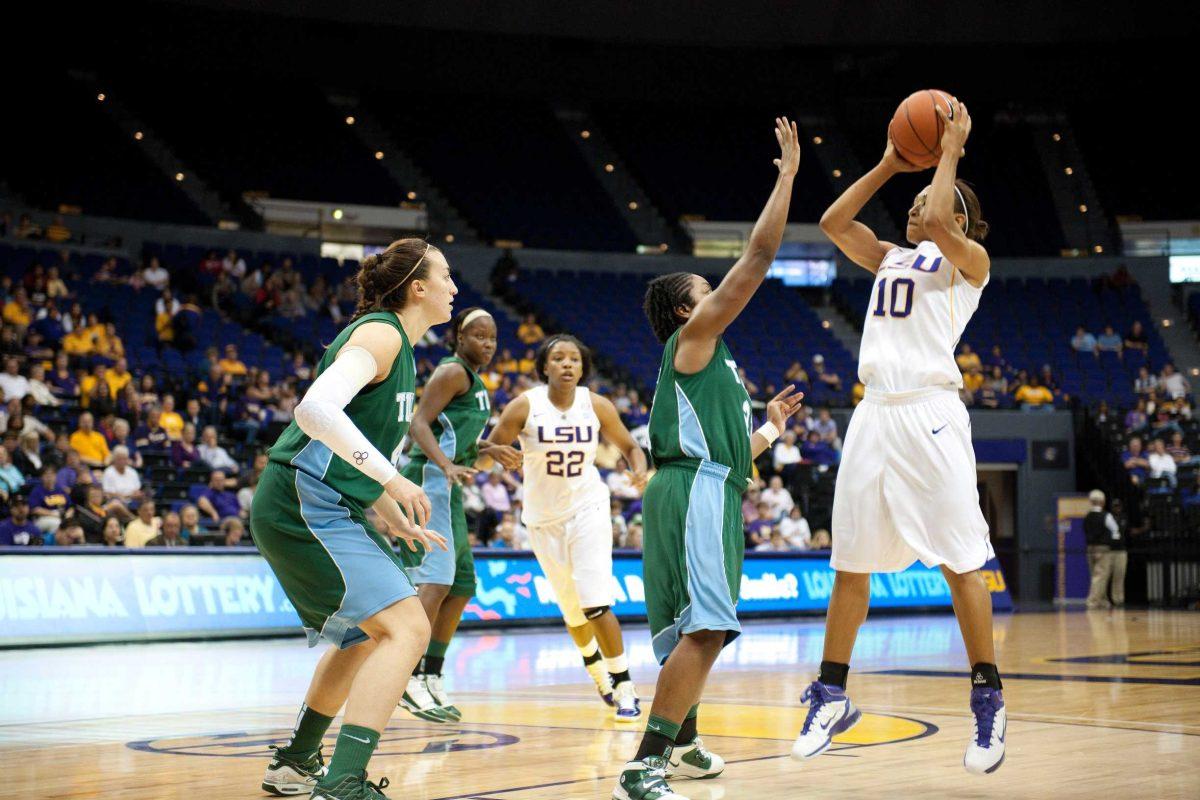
(595, 613)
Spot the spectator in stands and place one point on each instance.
(528, 363)
(17, 311)
(529, 331)
(1050, 381)
(93, 513)
(170, 419)
(1135, 461)
(1173, 383)
(758, 530)
(112, 534)
(49, 325)
(795, 530)
(1179, 451)
(1161, 463)
(234, 265)
(1136, 338)
(21, 419)
(49, 505)
(819, 452)
(28, 456)
(777, 498)
(57, 231)
(122, 437)
(230, 364)
(829, 379)
(210, 265)
(496, 501)
(151, 433)
(620, 485)
(11, 479)
(38, 389)
(212, 454)
(14, 385)
(1083, 341)
(121, 480)
(786, 455)
(170, 535)
(17, 529)
(1146, 382)
(156, 275)
(72, 468)
(216, 501)
(245, 494)
(1033, 395)
(972, 386)
(776, 543)
(966, 358)
(184, 452)
(144, 527)
(90, 443)
(62, 380)
(189, 516)
(997, 359)
(826, 426)
(234, 531)
(1109, 341)
(821, 540)
(1136, 419)
(796, 374)
(192, 414)
(101, 401)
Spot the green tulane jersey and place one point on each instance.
(705, 415)
(458, 427)
(382, 411)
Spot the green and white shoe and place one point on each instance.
(645, 780)
(420, 703)
(291, 775)
(693, 760)
(434, 684)
(352, 787)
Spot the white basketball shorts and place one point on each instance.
(576, 556)
(906, 486)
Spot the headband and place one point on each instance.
(408, 274)
(474, 315)
(966, 216)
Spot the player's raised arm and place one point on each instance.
(447, 382)
(512, 420)
(856, 240)
(612, 429)
(716, 310)
(950, 230)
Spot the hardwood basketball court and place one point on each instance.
(1101, 704)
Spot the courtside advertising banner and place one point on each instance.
(68, 596)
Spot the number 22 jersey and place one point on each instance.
(920, 305)
(559, 448)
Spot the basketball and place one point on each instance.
(916, 128)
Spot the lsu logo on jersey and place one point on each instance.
(566, 434)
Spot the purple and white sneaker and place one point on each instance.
(830, 712)
(628, 706)
(985, 753)
(603, 682)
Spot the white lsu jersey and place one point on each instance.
(559, 448)
(919, 306)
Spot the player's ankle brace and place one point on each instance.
(985, 674)
(833, 673)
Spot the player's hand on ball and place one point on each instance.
(411, 498)
(789, 146)
(784, 406)
(895, 162)
(954, 137)
(456, 473)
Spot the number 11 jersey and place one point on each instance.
(919, 307)
(559, 448)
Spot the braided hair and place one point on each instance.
(664, 294)
(383, 279)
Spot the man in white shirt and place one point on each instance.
(156, 275)
(213, 454)
(1175, 385)
(786, 453)
(619, 483)
(12, 382)
(1162, 465)
(777, 498)
(121, 480)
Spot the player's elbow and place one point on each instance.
(313, 417)
(830, 225)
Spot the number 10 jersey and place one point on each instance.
(559, 448)
(919, 307)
